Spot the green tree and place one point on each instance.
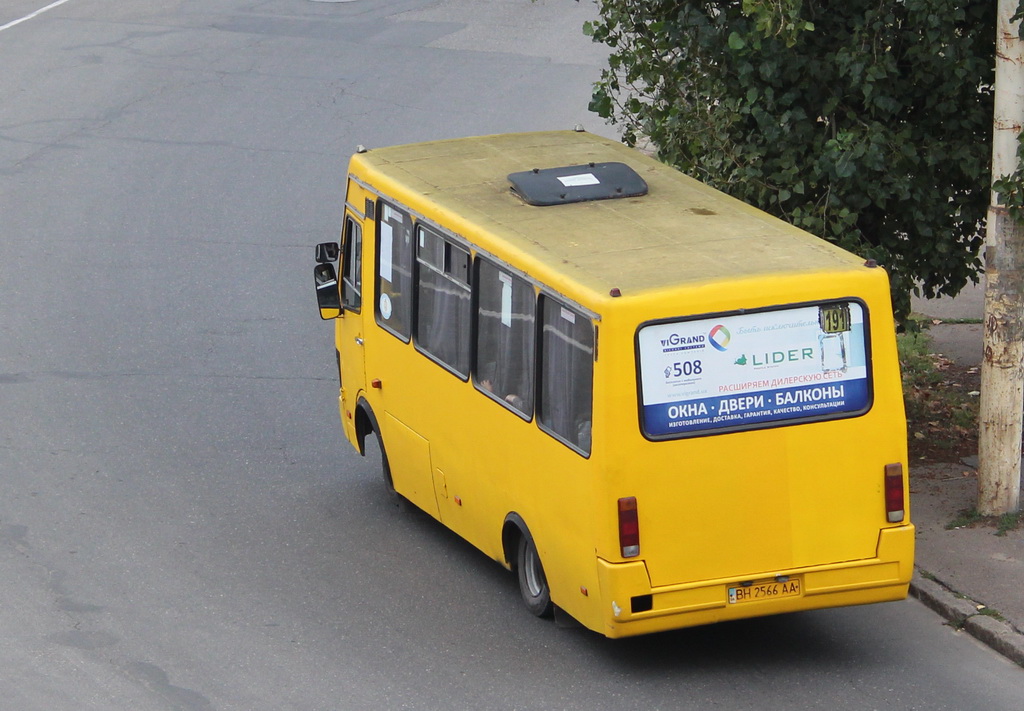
(868, 123)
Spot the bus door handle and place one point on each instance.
(359, 341)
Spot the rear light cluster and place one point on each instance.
(629, 527)
(895, 509)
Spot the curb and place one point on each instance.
(962, 613)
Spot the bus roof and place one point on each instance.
(681, 231)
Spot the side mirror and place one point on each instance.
(327, 296)
(327, 252)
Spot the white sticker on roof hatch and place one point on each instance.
(575, 181)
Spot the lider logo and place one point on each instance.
(720, 337)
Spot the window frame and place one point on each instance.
(740, 426)
(445, 273)
(500, 267)
(542, 392)
(408, 302)
(352, 264)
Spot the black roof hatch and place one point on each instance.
(577, 183)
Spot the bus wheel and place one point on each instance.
(385, 468)
(399, 501)
(533, 584)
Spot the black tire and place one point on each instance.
(385, 468)
(533, 584)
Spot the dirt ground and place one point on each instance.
(942, 416)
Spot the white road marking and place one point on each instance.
(29, 16)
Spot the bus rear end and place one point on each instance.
(768, 473)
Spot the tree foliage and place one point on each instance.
(868, 123)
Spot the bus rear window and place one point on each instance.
(755, 369)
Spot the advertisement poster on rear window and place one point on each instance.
(753, 369)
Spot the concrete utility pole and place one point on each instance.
(1002, 366)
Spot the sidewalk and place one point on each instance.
(970, 575)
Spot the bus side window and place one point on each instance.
(394, 270)
(505, 334)
(443, 303)
(566, 397)
(351, 285)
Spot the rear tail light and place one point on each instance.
(895, 509)
(629, 528)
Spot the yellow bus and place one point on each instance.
(658, 405)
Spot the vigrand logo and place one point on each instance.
(679, 342)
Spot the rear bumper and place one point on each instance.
(633, 607)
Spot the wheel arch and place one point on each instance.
(512, 530)
(366, 422)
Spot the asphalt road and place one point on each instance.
(182, 525)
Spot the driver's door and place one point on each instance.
(349, 334)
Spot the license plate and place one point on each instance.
(772, 590)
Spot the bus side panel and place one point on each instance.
(495, 463)
(402, 405)
(563, 513)
(409, 460)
